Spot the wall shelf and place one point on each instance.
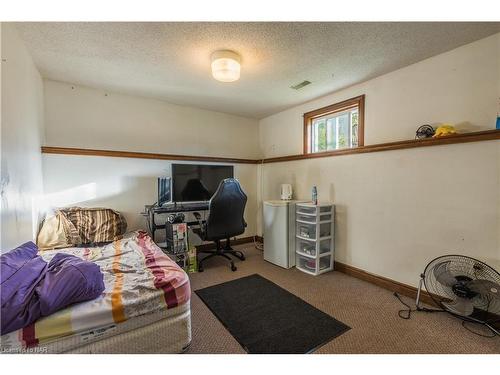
(141, 155)
(487, 135)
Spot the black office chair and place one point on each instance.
(224, 220)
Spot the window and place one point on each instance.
(335, 127)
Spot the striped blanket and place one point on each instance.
(139, 279)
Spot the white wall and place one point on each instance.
(460, 87)
(21, 138)
(397, 210)
(84, 117)
(123, 184)
(78, 116)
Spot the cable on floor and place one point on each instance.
(406, 314)
(258, 245)
(493, 334)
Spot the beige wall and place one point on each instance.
(85, 117)
(21, 138)
(78, 116)
(397, 210)
(459, 87)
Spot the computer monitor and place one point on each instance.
(197, 182)
(164, 190)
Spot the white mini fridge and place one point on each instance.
(279, 232)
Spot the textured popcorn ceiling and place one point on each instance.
(171, 61)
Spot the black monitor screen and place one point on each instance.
(193, 182)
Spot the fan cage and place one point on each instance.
(486, 309)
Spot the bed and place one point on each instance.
(145, 307)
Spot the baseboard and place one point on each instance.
(383, 282)
(237, 241)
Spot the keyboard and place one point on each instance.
(179, 207)
(193, 206)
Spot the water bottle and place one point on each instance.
(314, 195)
(498, 117)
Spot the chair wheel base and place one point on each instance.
(225, 252)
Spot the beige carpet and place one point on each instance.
(370, 311)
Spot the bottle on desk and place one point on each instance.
(498, 117)
(315, 195)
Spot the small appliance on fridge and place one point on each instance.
(286, 192)
(279, 232)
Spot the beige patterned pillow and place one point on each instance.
(77, 226)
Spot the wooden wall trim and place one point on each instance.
(358, 101)
(237, 241)
(349, 103)
(142, 155)
(383, 282)
(486, 135)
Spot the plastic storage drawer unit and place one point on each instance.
(315, 242)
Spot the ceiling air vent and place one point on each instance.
(298, 86)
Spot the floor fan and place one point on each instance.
(465, 287)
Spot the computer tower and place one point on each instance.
(176, 237)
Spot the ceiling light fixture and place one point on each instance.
(226, 66)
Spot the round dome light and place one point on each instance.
(226, 66)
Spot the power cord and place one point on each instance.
(406, 314)
(493, 334)
(256, 244)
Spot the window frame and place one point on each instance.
(356, 102)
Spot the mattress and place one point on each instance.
(142, 286)
(163, 336)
